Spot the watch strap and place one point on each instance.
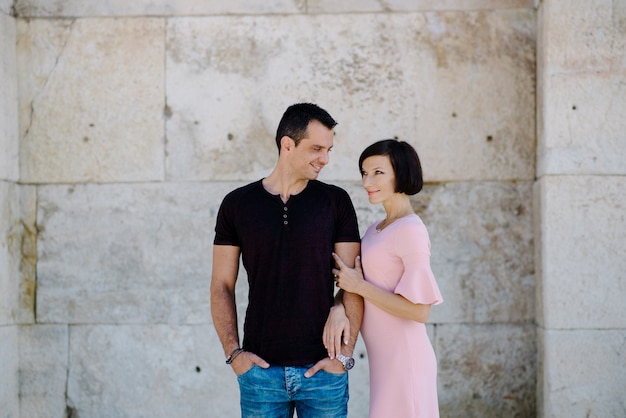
(344, 361)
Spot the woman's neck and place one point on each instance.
(398, 206)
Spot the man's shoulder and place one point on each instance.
(244, 190)
(328, 188)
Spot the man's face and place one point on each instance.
(311, 154)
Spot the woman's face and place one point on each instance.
(378, 178)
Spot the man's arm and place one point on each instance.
(352, 303)
(223, 307)
(353, 307)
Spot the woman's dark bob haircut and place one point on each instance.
(404, 160)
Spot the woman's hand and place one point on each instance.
(337, 326)
(346, 278)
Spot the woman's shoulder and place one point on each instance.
(411, 232)
(412, 221)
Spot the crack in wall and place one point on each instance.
(44, 86)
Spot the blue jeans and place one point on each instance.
(275, 393)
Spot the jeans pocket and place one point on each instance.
(333, 373)
(247, 372)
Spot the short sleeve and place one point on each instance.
(417, 283)
(347, 224)
(225, 231)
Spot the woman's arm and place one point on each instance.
(351, 280)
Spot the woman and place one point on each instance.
(397, 286)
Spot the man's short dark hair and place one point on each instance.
(404, 160)
(296, 119)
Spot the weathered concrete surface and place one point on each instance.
(482, 250)
(146, 256)
(173, 111)
(431, 79)
(6, 6)
(9, 395)
(149, 370)
(126, 253)
(10, 237)
(90, 8)
(486, 370)
(581, 96)
(582, 36)
(583, 254)
(584, 130)
(146, 250)
(9, 253)
(17, 253)
(584, 376)
(9, 144)
(91, 100)
(43, 368)
(346, 6)
(580, 226)
(129, 370)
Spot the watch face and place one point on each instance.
(349, 363)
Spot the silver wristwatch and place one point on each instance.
(348, 362)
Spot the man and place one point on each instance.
(286, 227)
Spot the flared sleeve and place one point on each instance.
(417, 283)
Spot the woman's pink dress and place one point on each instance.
(403, 367)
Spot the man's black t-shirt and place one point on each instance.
(287, 253)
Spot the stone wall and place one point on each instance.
(9, 218)
(136, 118)
(581, 200)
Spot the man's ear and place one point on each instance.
(287, 143)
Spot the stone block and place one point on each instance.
(163, 371)
(9, 396)
(481, 250)
(582, 373)
(360, 6)
(144, 250)
(126, 253)
(43, 370)
(6, 6)
(90, 8)
(9, 144)
(17, 253)
(433, 79)
(582, 36)
(581, 125)
(486, 370)
(9, 253)
(149, 370)
(78, 8)
(91, 99)
(582, 255)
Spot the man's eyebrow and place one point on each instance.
(321, 146)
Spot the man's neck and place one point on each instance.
(282, 184)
